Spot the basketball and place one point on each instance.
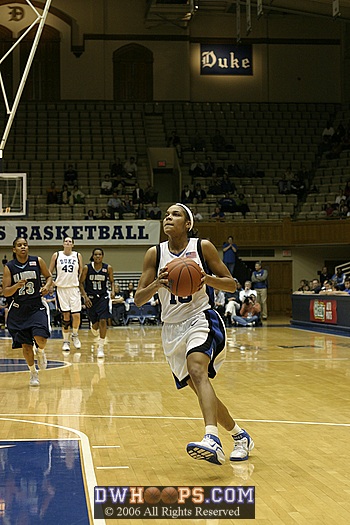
(184, 276)
(152, 495)
(169, 495)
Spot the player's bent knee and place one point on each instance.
(65, 324)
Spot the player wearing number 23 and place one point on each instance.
(28, 317)
(193, 333)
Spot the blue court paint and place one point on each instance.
(42, 483)
(20, 365)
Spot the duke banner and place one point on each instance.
(226, 60)
(39, 233)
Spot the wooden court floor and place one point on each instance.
(289, 388)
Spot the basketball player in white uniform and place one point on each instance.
(68, 265)
(193, 333)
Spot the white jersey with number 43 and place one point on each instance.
(67, 270)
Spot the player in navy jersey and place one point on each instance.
(28, 319)
(193, 333)
(94, 290)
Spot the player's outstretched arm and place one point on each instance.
(222, 279)
(149, 282)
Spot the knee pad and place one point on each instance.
(65, 324)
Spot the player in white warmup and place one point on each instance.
(68, 265)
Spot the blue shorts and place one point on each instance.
(27, 321)
(100, 309)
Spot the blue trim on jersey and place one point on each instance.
(212, 347)
(209, 289)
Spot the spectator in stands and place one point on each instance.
(328, 131)
(129, 295)
(209, 167)
(347, 190)
(128, 206)
(154, 212)
(304, 286)
(259, 280)
(78, 195)
(114, 205)
(227, 204)
(242, 204)
(151, 195)
(324, 275)
(4, 260)
(199, 195)
(117, 168)
(90, 215)
(197, 217)
(51, 300)
(340, 198)
(118, 184)
(186, 195)
(315, 286)
(3, 308)
(344, 212)
(197, 142)
(197, 168)
(71, 175)
(328, 208)
(218, 215)
(106, 185)
(229, 250)
(328, 288)
(246, 291)
(218, 141)
(175, 142)
(339, 278)
(52, 194)
(219, 302)
(138, 195)
(233, 305)
(130, 169)
(296, 186)
(65, 196)
(227, 186)
(215, 185)
(141, 212)
(347, 286)
(234, 170)
(103, 215)
(118, 307)
(284, 185)
(249, 313)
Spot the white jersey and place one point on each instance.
(178, 309)
(67, 270)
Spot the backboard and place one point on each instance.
(13, 194)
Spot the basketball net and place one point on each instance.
(11, 111)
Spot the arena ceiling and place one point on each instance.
(181, 12)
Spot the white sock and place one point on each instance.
(101, 342)
(75, 331)
(212, 429)
(41, 350)
(65, 336)
(236, 430)
(32, 368)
